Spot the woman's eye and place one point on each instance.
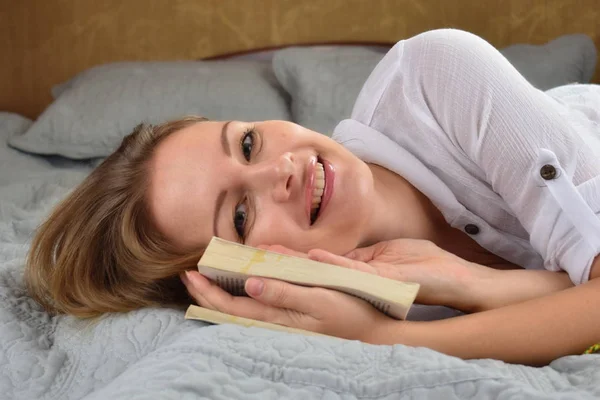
(239, 220)
(247, 144)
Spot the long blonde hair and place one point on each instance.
(99, 251)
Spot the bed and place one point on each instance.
(81, 74)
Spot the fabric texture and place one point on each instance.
(324, 83)
(96, 109)
(447, 112)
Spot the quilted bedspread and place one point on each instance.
(155, 353)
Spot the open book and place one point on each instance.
(229, 264)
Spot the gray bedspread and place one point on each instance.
(155, 353)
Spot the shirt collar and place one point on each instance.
(374, 147)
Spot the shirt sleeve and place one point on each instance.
(540, 156)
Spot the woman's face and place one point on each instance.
(259, 183)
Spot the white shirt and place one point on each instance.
(450, 114)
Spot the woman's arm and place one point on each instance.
(534, 332)
(501, 288)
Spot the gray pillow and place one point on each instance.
(97, 108)
(15, 165)
(12, 124)
(324, 81)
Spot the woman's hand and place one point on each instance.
(445, 279)
(314, 309)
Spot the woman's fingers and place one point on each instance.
(330, 258)
(270, 300)
(211, 296)
(364, 254)
(282, 294)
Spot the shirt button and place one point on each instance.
(471, 229)
(548, 172)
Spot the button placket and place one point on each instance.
(567, 197)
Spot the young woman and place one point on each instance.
(453, 172)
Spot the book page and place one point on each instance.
(216, 317)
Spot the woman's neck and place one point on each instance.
(402, 211)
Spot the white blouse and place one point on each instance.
(518, 169)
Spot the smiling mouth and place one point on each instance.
(318, 190)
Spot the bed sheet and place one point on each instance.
(155, 353)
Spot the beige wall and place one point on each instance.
(45, 42)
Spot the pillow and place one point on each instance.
(12, 124)
(324, 82)
(97, 108)
(15, 165)
(567, 59)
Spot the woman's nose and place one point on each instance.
(275, 176)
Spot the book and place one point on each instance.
(229, 264)
(216, 317)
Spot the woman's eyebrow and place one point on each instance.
(224, 141)
(223, 193)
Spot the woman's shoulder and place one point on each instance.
(407, 62)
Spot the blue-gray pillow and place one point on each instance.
(97, 108)
(323, 82)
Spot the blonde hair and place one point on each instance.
(99, 251)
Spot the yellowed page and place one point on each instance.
(216, 317)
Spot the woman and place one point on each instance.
(453, 172)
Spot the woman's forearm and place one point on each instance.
(533, 332)
(506, 287)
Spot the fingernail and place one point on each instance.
(195, 280)
(254, 287)
(318, 256)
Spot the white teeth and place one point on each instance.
(318, 190)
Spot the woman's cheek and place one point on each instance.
(269, 231)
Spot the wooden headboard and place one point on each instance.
(46, 42)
